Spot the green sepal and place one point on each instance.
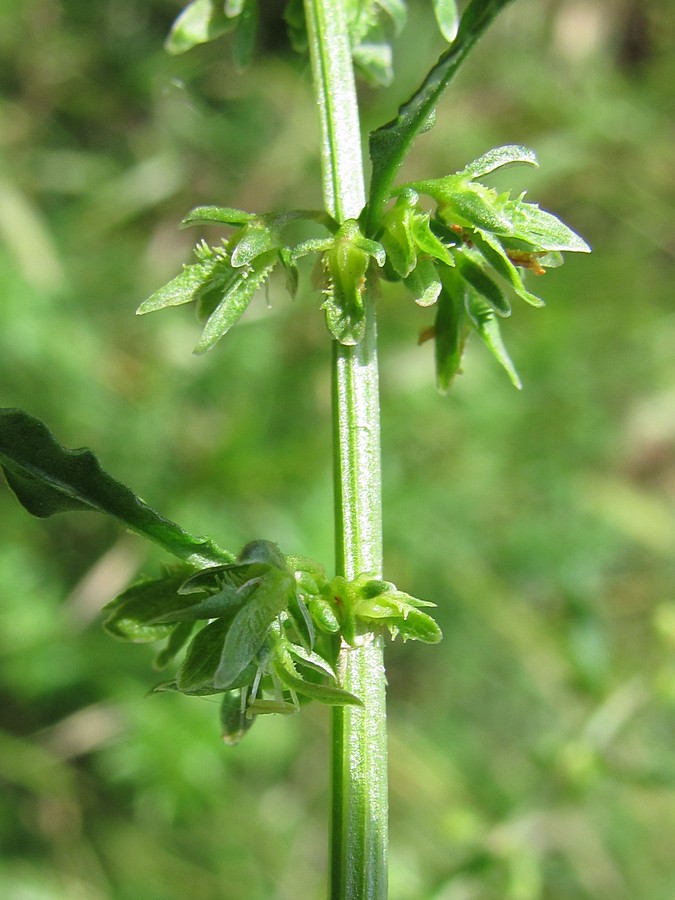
(424, 283)
(255, 239)
(234, 720)
(47, 479)
(133, 614)
(201, 21)
(427, 242)
(397, 237)
(313, 660)
(483, 319)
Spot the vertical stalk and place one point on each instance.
(358, 844)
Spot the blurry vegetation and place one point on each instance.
(532, 753)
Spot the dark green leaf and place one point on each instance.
(252, 623)
(449, 336)
(481, 282)
(47, 479)
(197, 673)
(177, 640)
(133, 614)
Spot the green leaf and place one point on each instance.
(542, 229)
(482, 317)
(447, 17)
(255, 239)
(192, 282)
(177, 640)
(449, 336)
(483, 284)
(510, 154)
(427, 242)
(390, 143)
(236, 300)
(283, 667)
(221, 215)
(133, 614)
(197, 673)
(47, 479)
(200, 22)
(252, 623)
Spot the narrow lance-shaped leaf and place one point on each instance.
(47, 479)
(483, 319)
(390, 143)
(449, 335)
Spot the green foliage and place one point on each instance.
(547, 536)
(260, 637)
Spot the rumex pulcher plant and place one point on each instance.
(264, 630)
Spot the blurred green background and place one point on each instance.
(533, 751)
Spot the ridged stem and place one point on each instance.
(359, 834)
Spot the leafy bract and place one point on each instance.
(390, 143)
(47, 478)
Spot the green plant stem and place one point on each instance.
(359, 831)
